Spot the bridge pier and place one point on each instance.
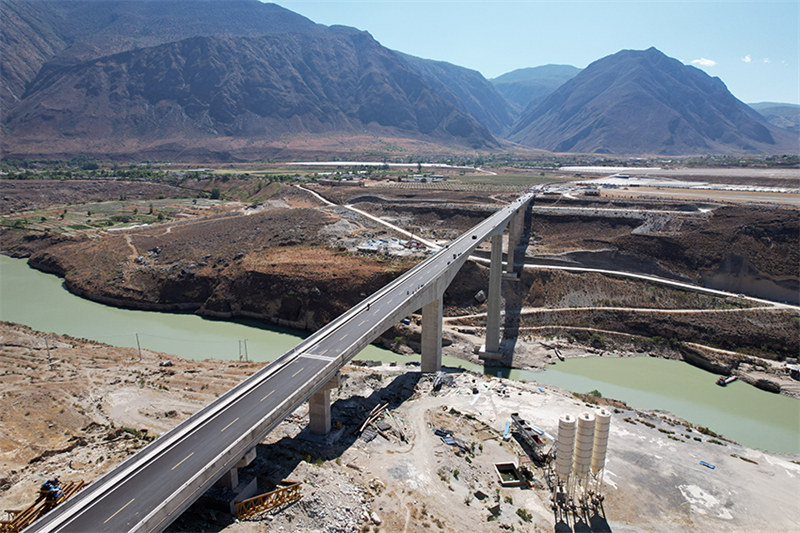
(319, 408)
(492, 347)
(230, 481)
(515, 227)
(432, 336)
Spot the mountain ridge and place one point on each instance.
(363, 87)
(781, 115)
(639, 102)
(526, 87)
(341, 81)
(239, 76)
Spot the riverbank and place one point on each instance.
(531, 343)
(96, 404)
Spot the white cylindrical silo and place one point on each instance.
(583, 444)
(602, 429)
(564, 445)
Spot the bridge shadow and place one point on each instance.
(275, 461)
(514, 298)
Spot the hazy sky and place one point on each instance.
(752, 46)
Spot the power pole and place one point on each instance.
(139, 346)
(47, 345)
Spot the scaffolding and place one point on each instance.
(270, 500)
(17, 520)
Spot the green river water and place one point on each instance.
(743, 413)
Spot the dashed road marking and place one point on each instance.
(229, 425)
(119, 510)
(182, 460)
(267, 396)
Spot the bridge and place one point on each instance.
(154, 486)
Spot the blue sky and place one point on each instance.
(752, 46)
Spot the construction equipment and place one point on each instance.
(576, 481)
(270, 500)
(534, 437)
(20, 519)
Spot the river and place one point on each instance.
(743, 413)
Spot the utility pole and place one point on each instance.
(47, 345)
(139, 346)
(246, 358)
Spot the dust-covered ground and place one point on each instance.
(86, 406)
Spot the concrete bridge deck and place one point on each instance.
(150, 489)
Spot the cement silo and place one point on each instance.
(565, 444)
(583, 445)
(602, 428)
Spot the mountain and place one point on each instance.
(468, 90)
(786, 116)
(526, 87)
(65, 32)
(199, 76)
(643, 102)
(235, 87)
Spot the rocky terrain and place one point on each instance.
(96, 404)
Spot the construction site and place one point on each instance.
(408, 450)
(406, 453)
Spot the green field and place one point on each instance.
(95, 216)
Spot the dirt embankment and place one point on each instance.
(750, 249)
(73, 407)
